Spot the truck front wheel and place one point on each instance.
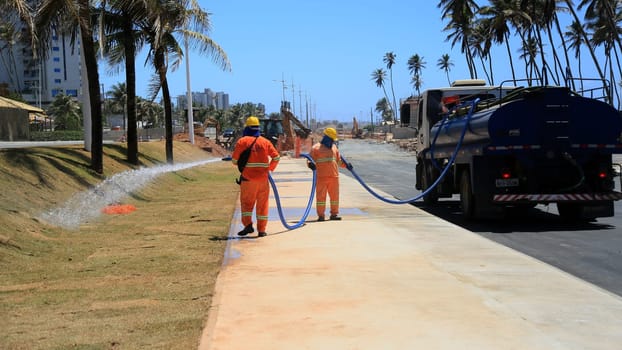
(432, 197)
(467, 200)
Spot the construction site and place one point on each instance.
(292, 137)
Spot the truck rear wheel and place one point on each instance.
(467, 200)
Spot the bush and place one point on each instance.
(58, 135)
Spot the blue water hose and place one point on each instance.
(444, 120)
(309, 204)
(441, 176)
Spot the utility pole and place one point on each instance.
(307, 107)
(300, 104)
(293, 98)
(189, 94)
(282, 81)
(371, 116)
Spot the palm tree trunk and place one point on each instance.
(580, 72)
(561, 36)
(544, 80)
(393, 93)
(130, 77)
(481, 60)
(614, 85)
(389, 103)
(471, 61)
(86, 34)
(168, 111)
(615, 52)
(507, 46)
(558, 63)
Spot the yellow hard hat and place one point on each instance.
(332, 133)
(252, 121)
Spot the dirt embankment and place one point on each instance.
(204, 143)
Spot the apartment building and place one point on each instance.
(40, 80)
(219, 100)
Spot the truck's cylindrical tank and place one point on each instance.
(546, 116)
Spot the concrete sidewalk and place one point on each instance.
(394, 277)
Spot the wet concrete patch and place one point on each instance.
(296, 213)
(294, 179)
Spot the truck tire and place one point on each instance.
(432, 197)
(467, 200)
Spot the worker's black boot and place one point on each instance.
(248, 229)
(335, 217)
(262, 234)
(320, 218)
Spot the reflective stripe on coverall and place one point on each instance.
(255, 189)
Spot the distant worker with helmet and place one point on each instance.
(255, 156)
(327, 162)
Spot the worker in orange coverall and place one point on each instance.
(254, 186)
(327, 162)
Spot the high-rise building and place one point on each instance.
(209, 98)
(222, 100)
(219, 100)
(39, 81)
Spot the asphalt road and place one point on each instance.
(590, 251)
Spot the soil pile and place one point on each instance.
(204, 143)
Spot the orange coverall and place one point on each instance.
(327, 162)
(254, 187)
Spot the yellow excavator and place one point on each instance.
(357, 133)
(282, 130)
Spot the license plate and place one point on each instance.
(506, 182)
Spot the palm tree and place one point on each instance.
(445, 63)
(389, 60)
(117, 98)
(415, 67)
(66, 113)
(8, 37)
(607, 14)
(499, 16)
(417, 83)
(529, 53)
(574, 39)
(549, 15)
(384, 108)
(24, 11)
(461, 14)
(586, 41)
(480, 41)
(167, 22)
(378, 76)
(148, 112)
(122, 40)
(79, 14)
(603, 19)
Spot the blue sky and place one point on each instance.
(327, 49)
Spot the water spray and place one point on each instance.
(89, 204)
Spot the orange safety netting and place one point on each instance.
(119, 209)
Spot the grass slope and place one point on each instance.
(136, 281)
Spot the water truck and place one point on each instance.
(508, 148)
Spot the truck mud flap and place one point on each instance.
(555, 198)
